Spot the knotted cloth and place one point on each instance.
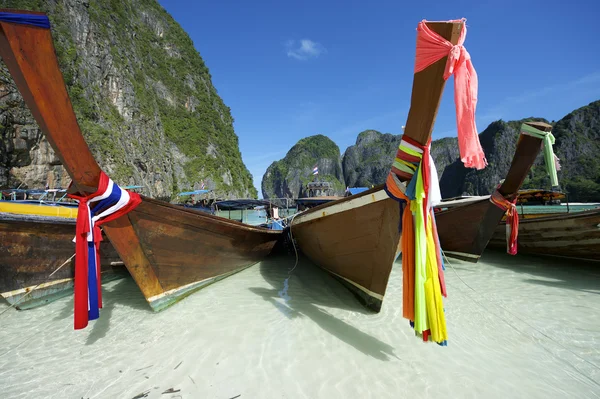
(39, 21)
(512, 219)
(431, 47)
(109, 202)
(423, 276)
(551, 160)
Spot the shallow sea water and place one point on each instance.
(518, 327)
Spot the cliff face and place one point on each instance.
(499, 141)
(143, 98)
(288, 176)
(368, 161)
(577, 145)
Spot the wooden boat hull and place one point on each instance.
(23, 208)
(465, 231)
(35, 246)
(170, 251)
(356, 239)
(188, 250)
(571, 235)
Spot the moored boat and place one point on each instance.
(358, 238)
(574, 234)
(465, 226)
(170, 251)
(36, 259)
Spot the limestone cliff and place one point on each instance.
(143, 97)
(288, 176)
(577, 145)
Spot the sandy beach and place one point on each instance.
(518, 327)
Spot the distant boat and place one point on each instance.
(170, 251)
(567, 231)
(568, 235)
(465, 226)
(35, 246)
(357, 238)
(317, 193)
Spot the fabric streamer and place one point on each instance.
(40, 21)
(413, 181)
(550, 159)
(431, 48)
(423, 276)
(512, 219)
(109, 202)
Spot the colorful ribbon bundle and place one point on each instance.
(108, 203)
(512, 219)
(422, 265)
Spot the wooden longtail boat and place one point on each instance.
(357, 238)
(170, 251)
(466, 229)
(33, 247)
(569, 235)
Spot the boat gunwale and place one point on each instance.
(203, 215)
(563, 215)
(341, 200)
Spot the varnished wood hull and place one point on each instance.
(32, 248)
(465, 231)
(168, 250)
(571, 235)
(356, 239)
(187, 250)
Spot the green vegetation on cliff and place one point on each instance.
(288, 177)
(368, 161)
(143, 95)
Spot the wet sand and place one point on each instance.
(518, 327)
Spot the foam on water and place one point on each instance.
(518, 327)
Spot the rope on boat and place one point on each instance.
(36, 287)
(286, 283)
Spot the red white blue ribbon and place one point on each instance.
(109, 202)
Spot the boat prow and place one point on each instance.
(170, 251)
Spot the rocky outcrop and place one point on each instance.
(577, 145)
(368, 161)
(287, 177)
(499, 141)
(144, 101)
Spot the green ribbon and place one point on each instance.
(549, 141)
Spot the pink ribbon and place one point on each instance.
(431, 47)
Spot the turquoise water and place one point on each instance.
(519, 327)
(253, 217)
(536, 209)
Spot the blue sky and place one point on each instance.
(294, 69)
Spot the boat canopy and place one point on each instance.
(240, 204)
(355, 190)
(196, 192)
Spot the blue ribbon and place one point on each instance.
(39, 21)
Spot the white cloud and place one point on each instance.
(304, 49)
